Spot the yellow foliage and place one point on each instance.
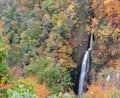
(110, 9)
(71, 6)
(94, 22)
(1, 27)
(66, 49)
(23, 35)
(67, 63)
(88, 28)
(14, 23)
(54, 40)
(59, 23)
(107, 1)
(65, 57)
(3, 80)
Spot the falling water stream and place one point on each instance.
(85, 67)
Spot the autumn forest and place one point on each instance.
(42, 43)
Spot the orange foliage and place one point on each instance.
(41, 89)
(111, 62)
(108, 48)
(30, 79)
(113, 12)
(75, 44)
(96, 91)
(26, 3)
(72, 94)
(117, 63)
(6, 46)
(5, 86)
(105, 8)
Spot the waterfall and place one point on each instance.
(85, 67)
(91, 40)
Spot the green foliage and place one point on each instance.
(40, 29)
(85, 97)
(43, 45)
(22, 89)
(4, 73)
(47, 4)
(16, 39)
(4, 70)
(60, 95)
(53, 75)
(35, 30)
(14, 57)
(54, 19)
(2, 54)
(15, 94)
(62, 31)
(32, 14)
(3, 51)
(10, 13)
(3, 93)
(54, 41)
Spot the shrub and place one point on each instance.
(66, 95)
(53, 75)
(22, 89)
(97, 91)
(4, 70)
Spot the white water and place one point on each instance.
(91, 41)
(85, 68)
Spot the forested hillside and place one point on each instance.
(42, 43)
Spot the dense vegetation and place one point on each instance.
(41, 42)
